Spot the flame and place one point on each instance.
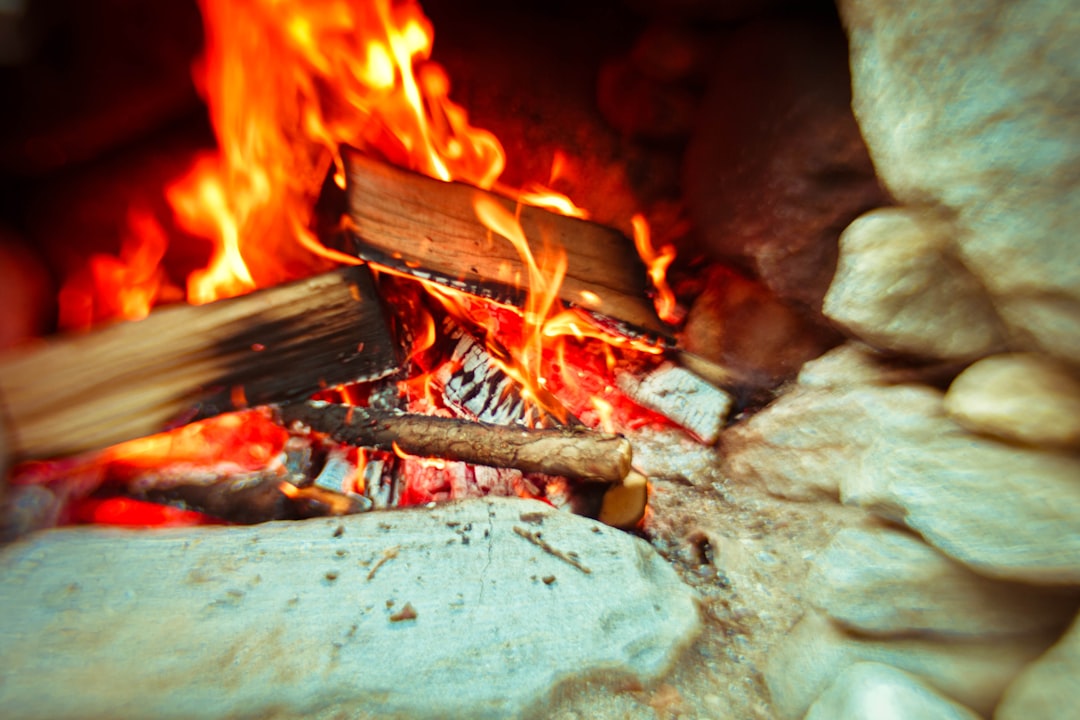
(657, 262)
(604, 412)
(287, 83)
(424, 462)
(126, 286)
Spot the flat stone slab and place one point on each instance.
(473, 610)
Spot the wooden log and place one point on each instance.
(82, 392)
(430, 229)
(570, 452)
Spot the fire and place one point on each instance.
(287, 84)
(657, 263)
(126, 286)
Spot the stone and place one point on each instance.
(790, 448)
(740, 324)
(302, 619)
(971, 108)
(1005, 511)
(881, 581)
(844, 366)
(872, 691)
(1019, 397)
(897, 287)
(776, 167)
(971, 671)
(1048, 687)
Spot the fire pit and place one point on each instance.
(402, 416)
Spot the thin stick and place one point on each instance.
(568, 452)
(539, 542)
(388, 554)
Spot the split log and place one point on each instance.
(429, 228)
(83, 392)
(569, 452)
(682, 397)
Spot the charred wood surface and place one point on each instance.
(430, 229)
(569, 452)
(83, 392)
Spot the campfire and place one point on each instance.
(599, 360)
(489, 340)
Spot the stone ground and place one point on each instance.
(746, 553)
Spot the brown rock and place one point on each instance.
(741, 324)
(873, 690)
(776, 167)
(885, 582)
(25, 292)
(973, 671)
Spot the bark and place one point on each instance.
(569, 452)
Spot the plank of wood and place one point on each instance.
(430, 228)
(75, 393)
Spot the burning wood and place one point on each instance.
(430, 229)
(129, 380)
(474, 383)
(682, 397)
(569, 452)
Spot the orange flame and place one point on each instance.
(126, 286)
(288, 82)
(657, 262)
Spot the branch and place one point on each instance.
(569, 452)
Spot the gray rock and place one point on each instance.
(872, 691)
(972, 671)
(448, 612)
(887, 582)
(897, 288)
(1048, 687)
(971, 107)
(1021, 397)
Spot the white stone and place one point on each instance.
(872, 691)
(845, 366)
(971, 108)
(295, 619)
(972, 671)
(1050, 686)
(1022, 397)
(1004, 511)
(898, 287)
(882, 581)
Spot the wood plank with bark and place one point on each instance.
(430, 229)
(569, 451)
(75, 393)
